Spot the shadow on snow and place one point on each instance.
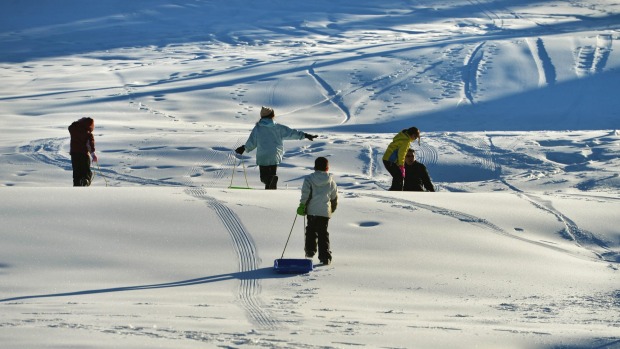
(257, 274)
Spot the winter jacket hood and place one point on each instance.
(320, 194)
(82, 139)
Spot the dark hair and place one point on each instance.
(320, 164)
(413, 131)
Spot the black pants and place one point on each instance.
(397, 176)
(268, 176)
(82, 175)
(316, 232)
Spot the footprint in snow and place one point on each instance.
(368, 224)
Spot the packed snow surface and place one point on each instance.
(518, 106)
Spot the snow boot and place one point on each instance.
(273, 183)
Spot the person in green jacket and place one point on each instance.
(394, 157)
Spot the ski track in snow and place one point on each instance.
(214, 176)
(593, 59)
(463, 217)
(48, 151)
(479, 148)
(331, 95)
(247, 255)
(470, 73)
(576, 234)
(546, 70)
(370, 158)
(489, 156)
(243, 244)
(573, 232)
(427, 154)
(497, 22)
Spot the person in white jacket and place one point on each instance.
(266, 138)
(319, 198)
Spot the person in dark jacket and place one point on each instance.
(416, 174)
(82, 148)
(266, 137)
(394, 157)
(319, 199)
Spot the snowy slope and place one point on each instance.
(516, 100)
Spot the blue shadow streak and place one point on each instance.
(257, 274)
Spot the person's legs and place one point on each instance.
(273, 184)
(263, 173)
(397, 176)
(268, 176)
(311, 237)
(82, 175)
(325, 255)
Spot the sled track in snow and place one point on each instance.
(370, 158)
(427, 154)
(331, 95)
(546, 70)
(483, 223)
(247, 256)
(489, 12)
(480, 148)
(573, 232)
(470, 73)
(216, 176)
(47, 151)
(463, 217)
(593, 59)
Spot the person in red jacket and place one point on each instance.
(82, 148)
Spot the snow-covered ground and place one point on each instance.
(517, 103)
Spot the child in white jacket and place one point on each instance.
(319, 198)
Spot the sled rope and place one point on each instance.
(101, 174)
(244, 173)
(289, 234)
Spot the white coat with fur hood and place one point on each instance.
(320, 194)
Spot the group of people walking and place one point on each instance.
(319, 192)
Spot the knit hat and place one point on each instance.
(266, 112)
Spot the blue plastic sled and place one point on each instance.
(292, 266)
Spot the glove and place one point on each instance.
(402, 170)
(310, 137)
(240, 150)
(301, 210)
(94, 156)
